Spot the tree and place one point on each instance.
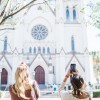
(92, 12)
(9, 8)
(94, 17)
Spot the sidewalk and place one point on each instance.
(44, 96)
(60, 98)
(50, 99)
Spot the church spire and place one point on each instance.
(59, 10)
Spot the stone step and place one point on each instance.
(5, 94)
(42, 86)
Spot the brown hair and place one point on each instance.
(77, 83)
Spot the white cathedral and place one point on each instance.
(49, 37)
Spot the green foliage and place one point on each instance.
(82, 10)
(94, 53)
(94, 16)
(96, 94)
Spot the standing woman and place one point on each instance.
(68, 75)
(24, 88)
(77, 92)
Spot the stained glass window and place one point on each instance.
(44, 50)
(48, 50)
(34, 50)
(67, 12)
(39, 49)
(39, 32)
(30, 50)
(74, 13)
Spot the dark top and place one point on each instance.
(27, 93)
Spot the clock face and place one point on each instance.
(39, 32)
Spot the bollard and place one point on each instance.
(69, 87)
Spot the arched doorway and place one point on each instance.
(4, 76)
(39, 75)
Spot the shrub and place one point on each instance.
(0, 94)
(96, 94)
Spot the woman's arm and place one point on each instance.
(64, 81)
(66, 78)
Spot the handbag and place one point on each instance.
(35, 91)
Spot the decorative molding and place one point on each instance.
(62, 51)
(74, 56)
(36, 57)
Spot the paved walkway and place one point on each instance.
(60, 99)
(44, 96)
(50, 99)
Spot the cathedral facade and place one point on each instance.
(49, 37)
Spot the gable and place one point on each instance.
(5, 62)
(74, 59)
(39, 8)
(39, 60)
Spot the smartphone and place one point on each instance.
(73, 68)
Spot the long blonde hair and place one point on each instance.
(21, 77)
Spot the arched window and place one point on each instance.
(67, 13)
(4, 76)
(74, 13)
(5, 43)
(72, 43)
(34, 50)
(39, 49)
(48, 50)
(44, 50)
(30, 50)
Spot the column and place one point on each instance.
(0, 77)
(33, 75)
(51, 75)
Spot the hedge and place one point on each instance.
(96, 94)
(0, 94)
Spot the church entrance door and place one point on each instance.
(39, 75)
(4, 76)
